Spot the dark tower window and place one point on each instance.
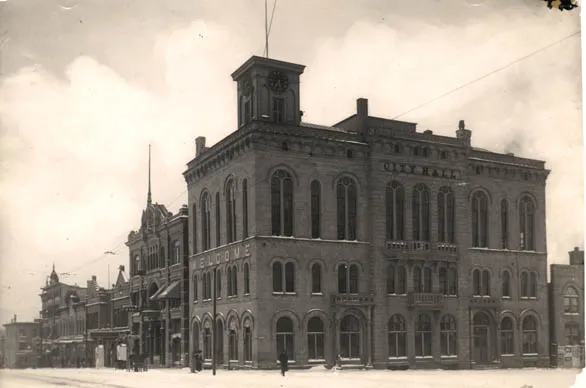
(347, 209)
(315, 209)
(480, 220)
(504, 224)
(231, 211)
(278, 110)
(445, 216)
(244, 208)
(421, 214)
(395, 209)
(527, 224)
(282, 203)
(218, 230)
(205, 223)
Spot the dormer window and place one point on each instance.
(278, 110)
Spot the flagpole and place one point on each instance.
(266, 31)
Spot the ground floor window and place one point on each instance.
(285, 337)
(315, 339)
(423, 336)
(247, 343)
(350, 337)
(507, 339)
(233, 345)
(572, 333)
(207, 343)
(448, 336)
(529, 335)
(397, 336)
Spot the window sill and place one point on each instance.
(424, 357)
(402, 358)
(288, 362)
(506, 297)
(449, 357)
(572, 314)
(317, 294)
(507, 355)
(284, 293)
(396, 294)
(316, 360)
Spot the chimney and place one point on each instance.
(200, 145)
(94, 278)
(576, 257)
(362, 114)
(121, 268)
(464, 134)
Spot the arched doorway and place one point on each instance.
(219, 342)
(195, 337)
(483, 338)
(350, 338)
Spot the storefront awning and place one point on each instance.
(157, 293)
(171, 292)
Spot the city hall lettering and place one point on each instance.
(420, 170)
(225, 256)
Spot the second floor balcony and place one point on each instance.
(414, 246)
(352, 299)
(426, 300)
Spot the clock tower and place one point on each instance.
(268, 90)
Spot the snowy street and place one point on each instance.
(93, 378)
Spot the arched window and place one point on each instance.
(195, 285)
(277, 277)
(229, 281)
(504, 224)
(161, 257)
(209, 285)
(347, 208)
(176, 253)
(315, 209)
(427, 280)
(205, 223)
(315, 339)
(443, 280)
(207, 343)
(290, 277)
(507, 336)
(485, 282)
(232, 280)
(245, 208)
(421, 213)
(480, 220)
(533, 284)
(401, 284)
(219, 335)
(529, 335)
(316, 287)
(247, 340)
(571, 301)
(246, 279)
(285, 337)
(350, 337)
(218, 283)
(391, 279)
(397, 337)
(230, 211)
(417, 279)
(395, 206)
(448, 336)
(348, 279)
(445, 215)
(282, 203)
(452, 281)
(506, 285)
(527, 223)
(233, 346)
(218, 221)
(476, 282)
(524, 284)
(194, 229)
(423, 332)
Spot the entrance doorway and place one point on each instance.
(482, 339)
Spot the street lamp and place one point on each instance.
(214, 326)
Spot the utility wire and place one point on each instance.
(489, 74)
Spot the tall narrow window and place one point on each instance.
(278, 110)
(524, 284)
(348, 279)
(218, 222)
(229, 281)
(315, 209)
(452, 281)
(417, 279)
(529, 335)
(347, 208)
(390, 279)
(485, 282)
(282, 203)
(423, 332)
(477, 290)
(507, 336)
(285, 339)
(401, 284)
(350, 337)
(395, 209)
(427, 280)
(247, 341)
(246, 279)
(443, 280)
(233, 346)
(218, 283)
(421, 214)
(504, 224)
(572, 333)
(230, 211)
(315, 339)
(194, 229)
(527, 223)
(277, 276)
(448, 336)
(176, 253)
(316, 279)
(207, 343)
(533, 285)
(479, 220)
(195, 285)
(397, 337)
(205, 223)
(506, 284)
(446, 216)
(245, 208)
(290, 277)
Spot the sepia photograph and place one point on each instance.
(290, 193)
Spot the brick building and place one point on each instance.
(63, 318)
(19, 344)
(366, 240)
(566, 311)
(159, 285)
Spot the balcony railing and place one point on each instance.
(427, 300)
(421, 246)
(352, 299)
(484, 302)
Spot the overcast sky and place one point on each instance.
(87, 85)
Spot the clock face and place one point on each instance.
(278, 81)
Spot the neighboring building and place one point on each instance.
(63, 319)
(19, 350)
(566, 311)
(366, 240)
(159, 285)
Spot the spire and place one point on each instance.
(149, 194)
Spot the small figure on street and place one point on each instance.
(284, 360)
(198, 361)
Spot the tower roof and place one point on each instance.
(266, 62)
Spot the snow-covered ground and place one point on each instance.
(317, 377)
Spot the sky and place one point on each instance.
(86, 86)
